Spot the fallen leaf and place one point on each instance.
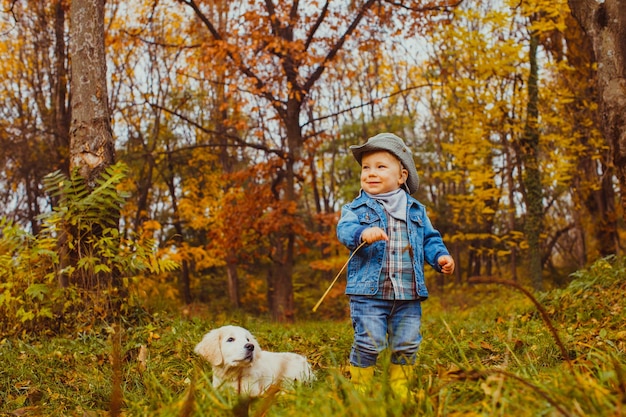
(142, 357)
(25, 411)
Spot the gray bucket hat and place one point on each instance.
(393, 144)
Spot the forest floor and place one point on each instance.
(488, 350)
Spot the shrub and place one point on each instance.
(78, 269)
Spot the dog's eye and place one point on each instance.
(230, 339)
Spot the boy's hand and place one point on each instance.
(373, 234)
(446, 263)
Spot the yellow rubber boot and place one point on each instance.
(361, 377)
(400, 377)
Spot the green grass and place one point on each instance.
(486, 352)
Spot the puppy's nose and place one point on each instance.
(249, 347)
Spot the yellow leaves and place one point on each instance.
(152, 336)
(202, 257)
(329, 264)
(150, 226)
(476, 237)
(547, 16)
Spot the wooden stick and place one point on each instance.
(337, 277)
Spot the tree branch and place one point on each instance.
(237, 60)
(337, 47)
(316, 26)
(430, 8)
(368, 103)
(237, 139)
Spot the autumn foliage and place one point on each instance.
(234, 120)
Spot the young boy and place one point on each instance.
(386, 276)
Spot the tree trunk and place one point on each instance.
(511, 215)
(605, 24)
(184, 283)
(233, 283)
(594, 186)
(61, 122)
(282, 307)
(60, 109)
(91, 139)
(280, 287)
(184, 279)
(533, 225)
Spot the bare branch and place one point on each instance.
(240, 142)
(430, 8)
(367, 103)
(316, 26)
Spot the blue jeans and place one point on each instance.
(381, 323)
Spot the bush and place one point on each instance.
(77, 271)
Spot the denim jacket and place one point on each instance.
(365, 266)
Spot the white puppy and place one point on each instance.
(239, 362)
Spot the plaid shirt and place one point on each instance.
(396, 277)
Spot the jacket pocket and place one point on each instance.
(417, 219)
(369, 218)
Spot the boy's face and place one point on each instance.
(381, 172)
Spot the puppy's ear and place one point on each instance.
(210, 348)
